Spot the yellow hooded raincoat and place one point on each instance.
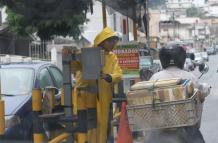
(86, 100)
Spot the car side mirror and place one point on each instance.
(203, 68)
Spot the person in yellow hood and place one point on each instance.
(92, 98)
(111, 73)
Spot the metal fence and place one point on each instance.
(38, 50)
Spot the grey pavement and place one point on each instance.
(209, 123)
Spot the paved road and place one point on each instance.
(209, 124)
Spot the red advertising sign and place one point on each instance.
(128, 58)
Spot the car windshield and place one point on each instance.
(16, 81)
(145, 62)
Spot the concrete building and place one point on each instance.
(199, 3)
(191, 30)
(115, 20)
(212, 2)
(154, 23)
(213, 25)
(177, 29)
(211, 11)
(154, 29)
(169, 30)
(177, 8)
(179, 4)
(10, 43)
(186, 27)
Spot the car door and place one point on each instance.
(57, 76)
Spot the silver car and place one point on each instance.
(189, 65)
(198, 59)
(211, 51)
(17, 82)
(205, 56)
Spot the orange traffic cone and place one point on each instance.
(124, 133)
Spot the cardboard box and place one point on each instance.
(150, 92)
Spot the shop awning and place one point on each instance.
(130, 8)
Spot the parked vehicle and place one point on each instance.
(145, 62)
(189, 65)
(198, 59)
(211, 51)
(205, 56)
(148, 67)
(17, 81)
(216, 47)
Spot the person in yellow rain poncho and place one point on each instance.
(92, 95)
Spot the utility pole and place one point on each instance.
(125, 25)
(146, 22)
(134, 23)
(174, 25)
(104, 14)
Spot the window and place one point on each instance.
(57, 76)
(16, 81)
(45, 78)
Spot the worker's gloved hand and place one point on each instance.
(106, 77)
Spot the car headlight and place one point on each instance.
(11, 121)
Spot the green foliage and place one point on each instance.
(47, 18)
(155, 3)
(193, 12)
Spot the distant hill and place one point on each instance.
(155, 3)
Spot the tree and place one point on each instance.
(155, 3)
(193, 12)
(47, 18)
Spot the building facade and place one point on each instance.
(212, 2)
(154, 23)
(179, 4)
(119, 23)
(10, 43)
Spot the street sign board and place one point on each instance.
(128, 57)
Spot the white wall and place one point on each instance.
(184, 33)
(95, 23)
(154, 23)
(4, 15)
(179, 3)
(164, 15)
(186, 3)
(199, 3)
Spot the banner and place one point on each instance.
(128, 58)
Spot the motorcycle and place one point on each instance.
(172, 134)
